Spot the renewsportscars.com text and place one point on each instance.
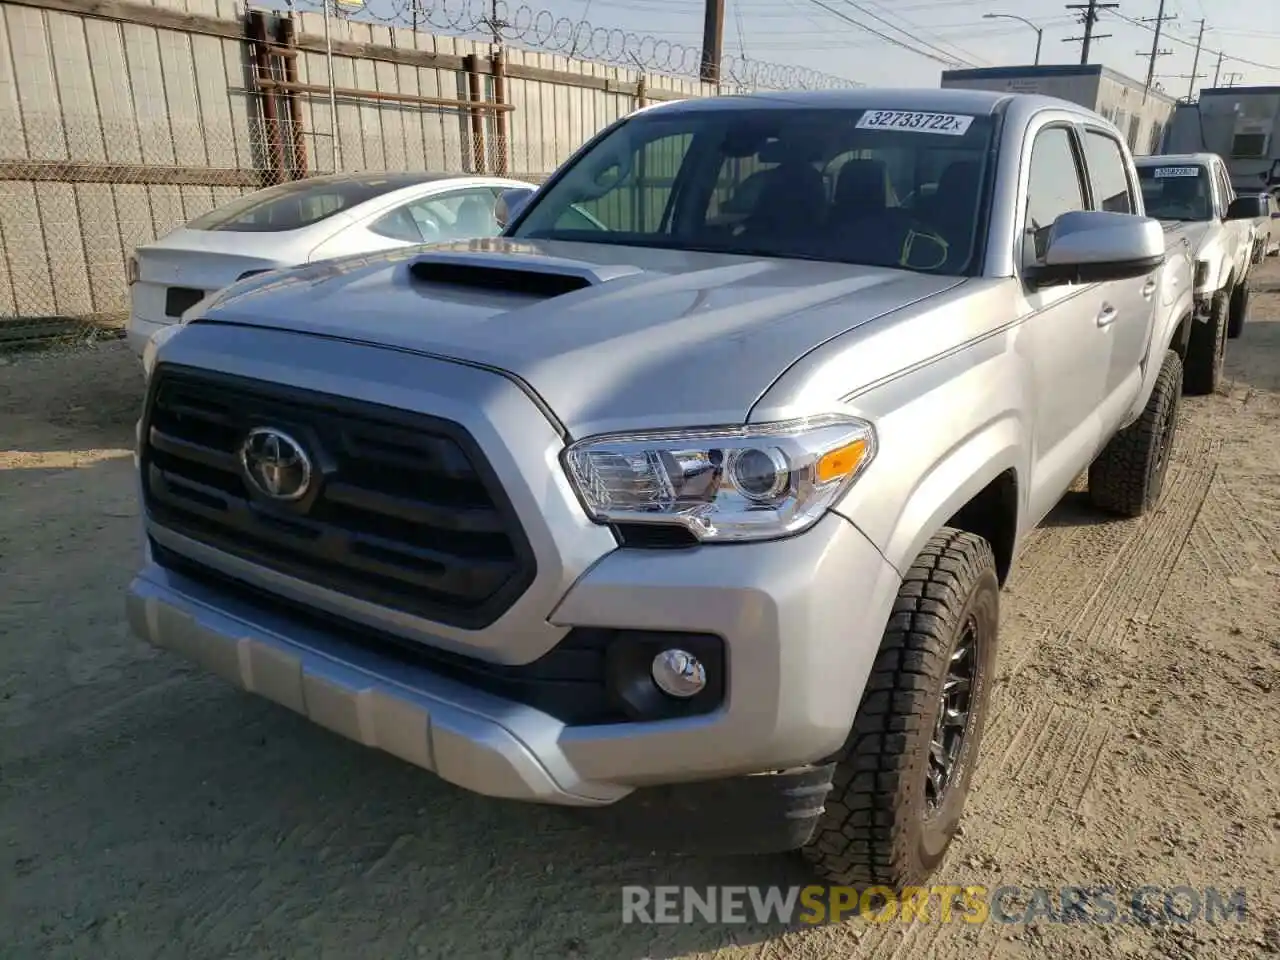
(939, 903)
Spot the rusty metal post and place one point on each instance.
(475, 80)
(501, 117)
(273, 147)
(289, 38)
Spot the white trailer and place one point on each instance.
(1241, 125)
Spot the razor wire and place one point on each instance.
(543, 30)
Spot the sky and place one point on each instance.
(909, 42)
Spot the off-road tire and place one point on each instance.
(1206, 349)
(1239, 311)
(1128, 476)
(878, 828)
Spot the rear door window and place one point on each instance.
(292, 206)
(460, 215)
(1107, 173)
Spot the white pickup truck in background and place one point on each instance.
(1193, 192)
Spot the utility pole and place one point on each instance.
(712, 41)
(1158, 20)
(1233, 76)
(1195, 64)
(1089, 18)
(1217, 71)
(1191, 78)
(1151, 70)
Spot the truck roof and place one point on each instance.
(977, 102)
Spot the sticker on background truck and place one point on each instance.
(949, 124)
(1165, 173)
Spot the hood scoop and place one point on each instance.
(533, 276)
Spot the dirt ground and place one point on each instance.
(149, 810)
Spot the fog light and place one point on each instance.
(678, 673)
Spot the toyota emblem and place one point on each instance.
(276, 464)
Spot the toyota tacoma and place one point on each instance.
(1192, 195)
(688, 499)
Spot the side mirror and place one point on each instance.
(510, 203)
(1090, 246)
(1249, 207)
(1274, 176)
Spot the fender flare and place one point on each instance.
(997, 447)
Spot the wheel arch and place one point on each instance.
(980, 487)
(992, 513)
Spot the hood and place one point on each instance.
(1193, 230)
(610, 337)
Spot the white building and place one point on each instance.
(1139, 113)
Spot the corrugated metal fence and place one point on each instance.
(120, 121)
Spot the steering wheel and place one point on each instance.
(906, 240)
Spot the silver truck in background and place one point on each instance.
(1192, 195)
(684, 502)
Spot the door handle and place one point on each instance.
(1149, 288)
(1107, 315)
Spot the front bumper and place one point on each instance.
(801, 619)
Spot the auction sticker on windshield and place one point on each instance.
(1164, 173)
(949, 124)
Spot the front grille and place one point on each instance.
(178, 300)
(403, 510)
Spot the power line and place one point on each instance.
(1191, 43)
(932, 46)
(945, 61)
(922, 36)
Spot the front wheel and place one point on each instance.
(903, 774)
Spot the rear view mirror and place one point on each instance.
(1093, 246)
(1249, 207)
(510, 203)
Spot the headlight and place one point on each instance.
(154, 343)
(731, 484)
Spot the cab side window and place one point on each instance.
(1224, 188)
(1108, 174)
(1053, 188)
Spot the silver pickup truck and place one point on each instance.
(687, 500)
(1192, 194)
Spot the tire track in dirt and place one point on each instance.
(1122, 603)
(1032, 743)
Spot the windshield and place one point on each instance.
(292, 206)
(877, 187)
(1176, 192)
